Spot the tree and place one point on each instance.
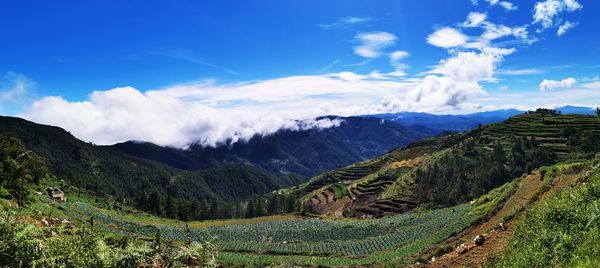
(250, 209)
(214, 209)
(273, 207)
(203, 211)
(18, 167)
(155, 203)
(195, 210)
(183, 210)
(171, 208)
(142, 201)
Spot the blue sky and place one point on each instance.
(286, 60)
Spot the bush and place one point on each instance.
(26, 245)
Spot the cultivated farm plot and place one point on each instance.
(362, 240)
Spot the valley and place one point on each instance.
(386, 211)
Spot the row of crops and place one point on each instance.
(303, 236)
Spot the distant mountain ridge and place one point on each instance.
(449, 122)
(306, 152)
(464, 122)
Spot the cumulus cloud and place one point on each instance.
(468, 66)
(547, 12)
(507, 5)
(562, 29)
(371, 44)
(123, 114)
(552, 84)
(447, 37)
(474, 19)
(433, 92)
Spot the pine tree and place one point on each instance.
(214, 209)
(203, 211)
(155, 203)
(183, 210)
(171, 208)
(250, 209)
(273, 207)
(195, 210)
(142, 201)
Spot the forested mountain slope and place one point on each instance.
(127, 178)
(305, 152)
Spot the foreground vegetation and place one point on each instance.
(561, 231)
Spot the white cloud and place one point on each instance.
(398, 55)
(520, 71)
(371, 44)
(592, 85)
(496, 31)
(546, 12)
(447, 38)
(562, 29)
(474, 19)
(508, 5)
(347, 21)
(552, 84)
(433, 93)
(504, 4)
(123, 114)
(395, 61)
(468, 66)
(213, 113)
(14, 89)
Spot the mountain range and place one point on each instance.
(306, 153)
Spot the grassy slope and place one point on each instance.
(561, 231)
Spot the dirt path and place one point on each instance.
(496, 241)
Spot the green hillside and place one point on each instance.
(131, 180)
(452, 169)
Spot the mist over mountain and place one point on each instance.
(306, 152)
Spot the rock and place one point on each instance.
(45, 222)
(501, 226)
(479, 240)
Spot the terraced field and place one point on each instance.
(547, 129)
(376, 188)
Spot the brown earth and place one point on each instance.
(469, 255)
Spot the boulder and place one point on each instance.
(479, 240)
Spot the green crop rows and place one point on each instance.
(397, 235)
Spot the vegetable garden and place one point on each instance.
(393, 236)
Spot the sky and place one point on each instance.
(179, 72)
